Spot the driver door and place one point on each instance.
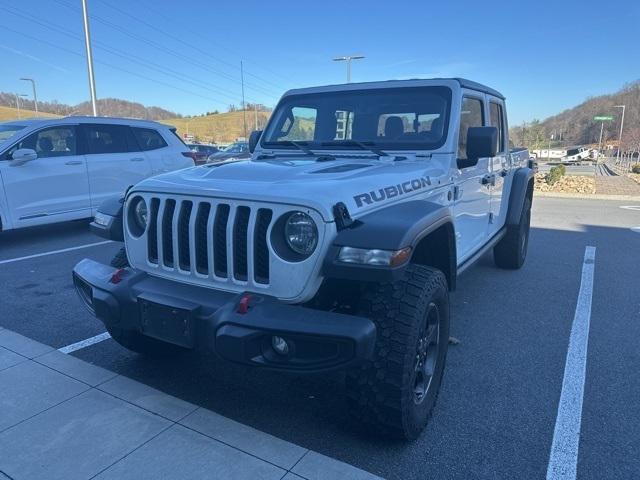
(52, 188)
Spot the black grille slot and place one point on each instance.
(220, 240)
(184, 250)
(240, 227)
(260, 249)
(167, 233)
(152, 235)
(202, 255)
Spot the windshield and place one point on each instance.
(414, 118)
(8, 131)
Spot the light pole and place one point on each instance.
(87, 44)
(348, 58)
(18, 102)
(244, 105)
(621, 127)
(33, 86)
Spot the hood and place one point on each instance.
(362, 184)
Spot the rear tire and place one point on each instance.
(511, 252)
(136, 342)
(396, 391)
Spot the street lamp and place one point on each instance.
(87, 45)
(621, 127)
(348, 59)
(18, 102)
(33, 86)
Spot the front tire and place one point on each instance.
(396, 391)
(511, 252)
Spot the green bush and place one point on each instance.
(636, 168)
(555, 174)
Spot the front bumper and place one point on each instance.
(198, 317)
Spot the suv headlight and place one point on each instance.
(138, 216)
(301, 233)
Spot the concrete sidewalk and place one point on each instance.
(62, 418)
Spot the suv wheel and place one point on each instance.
(511, 251)
(397, 390)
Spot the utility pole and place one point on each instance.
(244, 106)
(33, 86)
(600, 142)
(621, 127)
(87, 44)
(255, 111)
(18, 102)
(348, 58)
(18, 105)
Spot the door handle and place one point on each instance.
(74, 162)
(137, 159)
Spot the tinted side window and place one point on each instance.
(50, 142)
(496, 119)
(149, 139)
(107, 139)
(471, 115)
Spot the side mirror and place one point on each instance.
(22, 156)
(254, 138)
(482, 142)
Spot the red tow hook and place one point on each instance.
(117, 276)
(243, 305)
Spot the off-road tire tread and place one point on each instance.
(506, 254)
(374, 390)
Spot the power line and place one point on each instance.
(192, 62)
(53, 45)
(128, 56)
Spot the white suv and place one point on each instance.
(63, 169)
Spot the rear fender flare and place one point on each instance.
(519, 191)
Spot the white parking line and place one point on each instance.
(85, 343)
(54, 252)
(563, 460)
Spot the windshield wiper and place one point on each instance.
(370, 146)
(321, 157)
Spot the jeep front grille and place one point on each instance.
(209, 238)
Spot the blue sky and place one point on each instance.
(545, 56)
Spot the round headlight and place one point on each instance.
(301, 233)
(140, 213)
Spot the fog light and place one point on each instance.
(280, 345)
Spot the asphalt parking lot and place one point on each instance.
(498, 405)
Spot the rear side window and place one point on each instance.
(148, 139)
(471, 115)
(496, 119)
(108, 139)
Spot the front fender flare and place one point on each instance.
(519, 190)
(391, 228)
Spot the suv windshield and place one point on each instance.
(408, 118)
(8, 131)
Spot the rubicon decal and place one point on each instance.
(391, 191)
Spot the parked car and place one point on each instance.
(202, 152)
(54, 170)
(576, 155)
(333, 248)
(237, 150)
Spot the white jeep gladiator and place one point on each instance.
(334, 247)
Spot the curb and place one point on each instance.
(586, 196)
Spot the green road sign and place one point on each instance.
(603, 118)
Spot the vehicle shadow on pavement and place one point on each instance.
(497, 406)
